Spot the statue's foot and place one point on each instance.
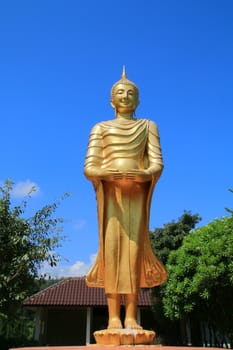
(114, 323)
(131, 323)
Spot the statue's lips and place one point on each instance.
(125, 103)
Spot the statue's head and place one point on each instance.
(124, 90)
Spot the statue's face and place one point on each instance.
(125, 98)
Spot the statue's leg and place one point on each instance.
(131, 311)
(114, 320)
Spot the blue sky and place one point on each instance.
(58, 62)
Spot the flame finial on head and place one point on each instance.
(123, 73)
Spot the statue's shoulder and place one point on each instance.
(104, 123)
(151, 124)
(153, 128)
(99, 126)
(107, 124)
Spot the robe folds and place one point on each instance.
(125, 261)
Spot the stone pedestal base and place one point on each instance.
(124, 337)
(116, 347)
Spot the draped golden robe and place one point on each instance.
(125, 261)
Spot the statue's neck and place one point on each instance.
(124, 116)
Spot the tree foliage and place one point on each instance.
(201, 276)
(164, 240)
(170, 236)
(25, 244)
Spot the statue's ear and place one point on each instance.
(136, 106)
(112, 104)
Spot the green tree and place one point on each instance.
(170, 236)
(201, 276)
(25, 244)
(164, 240)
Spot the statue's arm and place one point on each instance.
(155, 160)
(93, 168)
(94, 156)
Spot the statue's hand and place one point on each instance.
(110, 174)
(138, 175)
(97, 173)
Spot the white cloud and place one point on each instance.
(79, 225)
(23, 188)
(79, 268)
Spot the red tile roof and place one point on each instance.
(73, 291)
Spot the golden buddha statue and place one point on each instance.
(124, 162)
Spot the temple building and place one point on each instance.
(68, 312)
